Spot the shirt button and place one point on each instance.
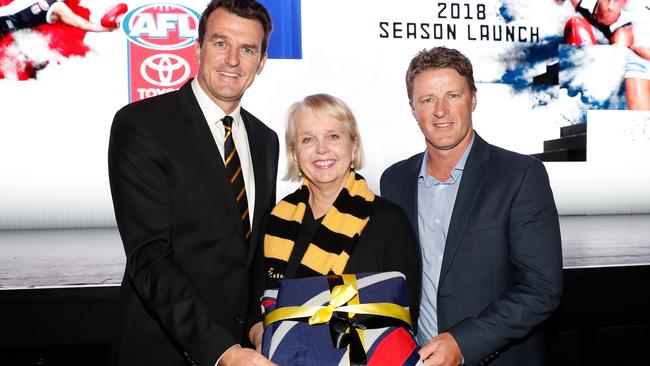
(437, 221)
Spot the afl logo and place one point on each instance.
(162, 26)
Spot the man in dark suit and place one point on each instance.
(487, 226)
(191, 289)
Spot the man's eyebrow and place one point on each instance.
(246, 45)
(217, 36)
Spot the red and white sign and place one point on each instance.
(161, 48)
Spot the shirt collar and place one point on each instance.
(211, 111)
(455, 173)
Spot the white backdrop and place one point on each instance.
(54, 129)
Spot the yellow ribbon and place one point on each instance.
(339, 295)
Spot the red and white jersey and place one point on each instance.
(12, 7)
(20, 14)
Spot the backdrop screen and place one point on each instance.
(549, 84)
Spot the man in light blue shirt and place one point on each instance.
(487, 226)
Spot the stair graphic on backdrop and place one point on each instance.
(571, 146)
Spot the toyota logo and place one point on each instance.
(165, 69)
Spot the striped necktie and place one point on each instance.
(235, 175)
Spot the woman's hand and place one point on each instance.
(255, 335)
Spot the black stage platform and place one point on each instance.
(54, 258)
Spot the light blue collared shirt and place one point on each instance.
(435, 204)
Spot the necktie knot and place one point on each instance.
(227, 122)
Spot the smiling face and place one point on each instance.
(229, 57)
(323, 149)
(443, 103)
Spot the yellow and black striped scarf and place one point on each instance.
(331, 245)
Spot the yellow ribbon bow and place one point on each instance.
(340, 295)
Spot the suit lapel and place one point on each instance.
(469, 190)
(261, 172)
(201, 136)
(410, 192)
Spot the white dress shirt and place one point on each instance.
(213, 115)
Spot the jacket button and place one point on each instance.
(239, 320)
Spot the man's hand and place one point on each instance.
(442, 350)
(236, 356)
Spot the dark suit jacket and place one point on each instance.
(186, 293)
(501, 272)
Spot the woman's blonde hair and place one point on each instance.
(324, 104)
